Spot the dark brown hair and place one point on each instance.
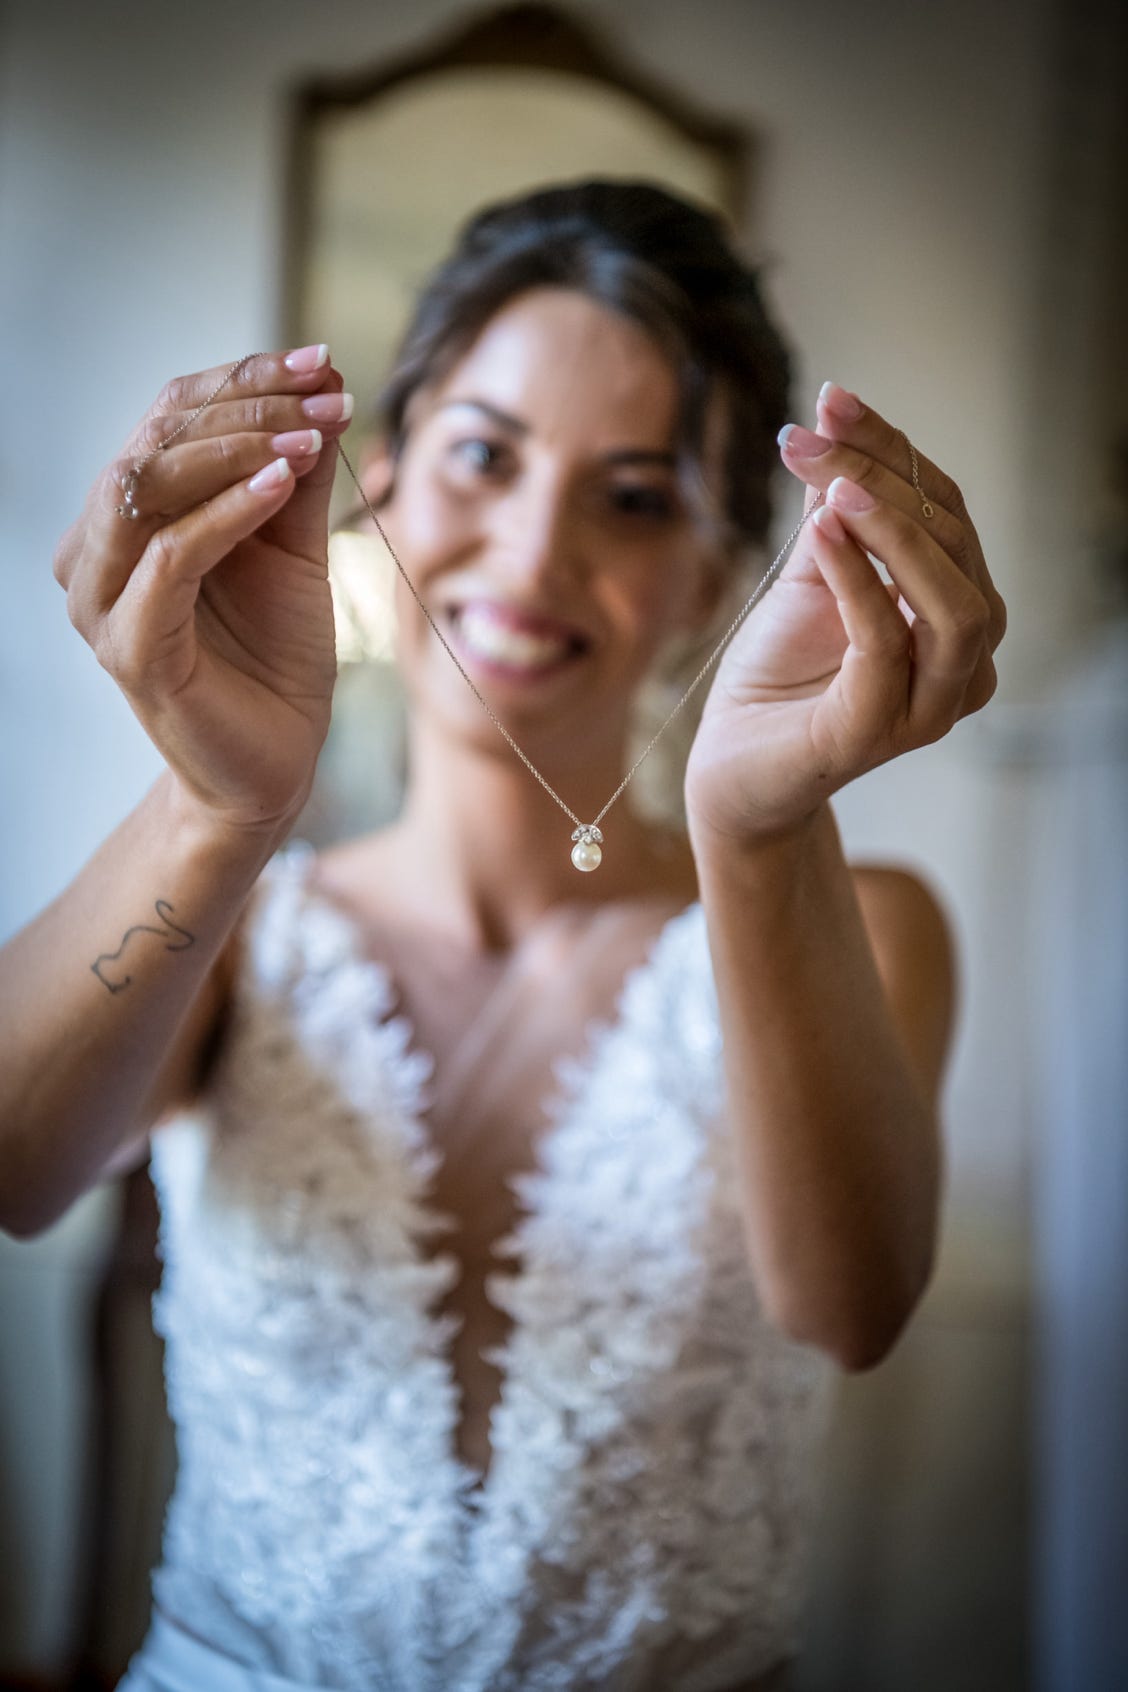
(664, 263)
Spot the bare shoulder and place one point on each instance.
(897, 903)
(913, 943)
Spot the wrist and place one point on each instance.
(767, 877)
(760, 850)
(770, 884)
(230, 840)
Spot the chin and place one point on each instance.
(556, 733)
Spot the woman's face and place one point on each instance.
(537, 512)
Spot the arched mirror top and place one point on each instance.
(387, 162)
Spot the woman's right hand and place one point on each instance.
(212, 609)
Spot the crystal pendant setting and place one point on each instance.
(586, 853)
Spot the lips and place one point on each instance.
(511, 638)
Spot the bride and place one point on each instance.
(514, 1219)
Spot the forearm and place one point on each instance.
(837, 1146)
(94, 990)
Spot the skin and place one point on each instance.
(213, 614)
(541, 512)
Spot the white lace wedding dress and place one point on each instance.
(644, 1519)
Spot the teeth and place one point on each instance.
(483, 634)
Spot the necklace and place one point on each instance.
(587, 848)
(587, 837)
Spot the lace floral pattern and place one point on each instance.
(648, 1496)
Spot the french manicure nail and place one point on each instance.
(296, 443)
(274, 473)
(841, 401)
(827, 523)
(802, 443)
(328, 408)
(848, 496)
(304, 359)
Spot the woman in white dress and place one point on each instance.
(514, 1220)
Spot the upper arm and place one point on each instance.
(913, 945)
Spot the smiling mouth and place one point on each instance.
(498, 641)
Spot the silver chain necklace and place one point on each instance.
(587, 837)
(587, 853)
(587, 850)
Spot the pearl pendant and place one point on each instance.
(586, 853)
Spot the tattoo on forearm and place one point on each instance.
(109, 967)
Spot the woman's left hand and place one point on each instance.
(835, 670)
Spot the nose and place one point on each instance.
(536, 536)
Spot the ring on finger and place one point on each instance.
(128, 507)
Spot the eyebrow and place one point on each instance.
(622, 455)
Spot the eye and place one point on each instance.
(642, 500)
(478, 455)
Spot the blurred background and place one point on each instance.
(939, 194)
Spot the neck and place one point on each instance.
(483, 849)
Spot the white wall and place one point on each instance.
(899, 193)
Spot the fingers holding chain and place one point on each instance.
(846, 421)
(856, 445)
(879, 457)
(256, 430)
(129, 507)
(279, 398)
(903, 510)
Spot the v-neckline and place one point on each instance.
(462, 1061)
(475, 1486)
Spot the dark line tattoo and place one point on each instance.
(116, 982)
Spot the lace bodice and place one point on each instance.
(643, 1520)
